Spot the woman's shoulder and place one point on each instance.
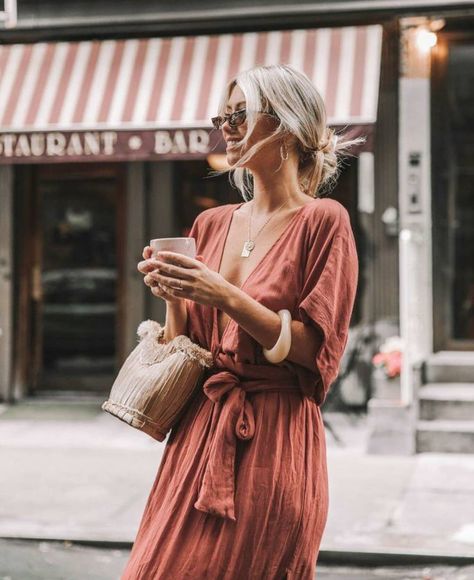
(328, 207)
(326, 210)
(327, 217)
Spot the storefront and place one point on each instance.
(436, 241)
(436, 184)
(106, 143)
(452, 81)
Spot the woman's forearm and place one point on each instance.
(176, 319)
(265, 325)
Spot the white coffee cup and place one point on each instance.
(186, 246)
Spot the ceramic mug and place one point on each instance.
(186, 246)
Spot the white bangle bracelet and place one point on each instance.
(282, 346)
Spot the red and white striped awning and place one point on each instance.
(176, 82)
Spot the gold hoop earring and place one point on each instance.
(284, 157)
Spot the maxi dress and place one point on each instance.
(242, 488)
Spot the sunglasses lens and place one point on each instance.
(237, 118)
(217, 122)
(234, 120)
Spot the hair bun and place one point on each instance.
(329, 144)
(326, 146)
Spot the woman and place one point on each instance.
(242, 491)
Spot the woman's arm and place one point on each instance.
(208, 287)
(265, 325)
(176, 319)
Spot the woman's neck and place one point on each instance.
(273, 189)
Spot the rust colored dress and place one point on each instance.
(242, 489)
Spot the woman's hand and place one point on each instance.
(147, 267)
(199, 283)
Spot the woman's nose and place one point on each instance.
(228, 131)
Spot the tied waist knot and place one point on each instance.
(226, 388)
(226, 382)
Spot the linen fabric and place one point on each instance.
(242, 488)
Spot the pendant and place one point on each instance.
(248, 247)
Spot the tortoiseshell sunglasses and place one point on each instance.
(236, 118)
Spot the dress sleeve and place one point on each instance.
(327, 298)
(194, 232)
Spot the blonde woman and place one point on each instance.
(242, 489)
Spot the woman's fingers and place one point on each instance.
(172, 263)
(150, 267)
(178, 259)
(151, 264)
(169, 281)
(149, 280)
(169, 274)
(147, 252)
(153, 280)
(161, 292)
(143, 266)
(156, 288)
(166, 269)
(146, 266)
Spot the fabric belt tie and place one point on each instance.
(235, 419)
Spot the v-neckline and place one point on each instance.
(220, 254)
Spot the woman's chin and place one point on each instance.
(232, 157)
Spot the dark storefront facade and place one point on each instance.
(96, 172)
(453, 189)
(88, 176)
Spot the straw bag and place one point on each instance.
(157, 380)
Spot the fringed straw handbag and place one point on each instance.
(157, 380)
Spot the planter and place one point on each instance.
(385, 387)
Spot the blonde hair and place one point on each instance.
(289, 94)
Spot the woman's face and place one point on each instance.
(265, 125)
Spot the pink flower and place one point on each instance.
(389, 360)
(394, 364)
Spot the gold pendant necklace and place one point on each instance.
(249, 244)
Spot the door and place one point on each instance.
(453, 191)
(76, 284)
(6, 289)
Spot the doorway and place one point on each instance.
(453, 191)
(75, 248)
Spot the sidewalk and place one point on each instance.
(71, 471)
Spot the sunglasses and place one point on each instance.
(236, 118)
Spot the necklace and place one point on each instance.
(249, 244)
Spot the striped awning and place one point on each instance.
(176, 82)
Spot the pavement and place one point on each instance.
(51, 560)
(71, 472)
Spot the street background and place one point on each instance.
(106, 142)
(72, 473)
